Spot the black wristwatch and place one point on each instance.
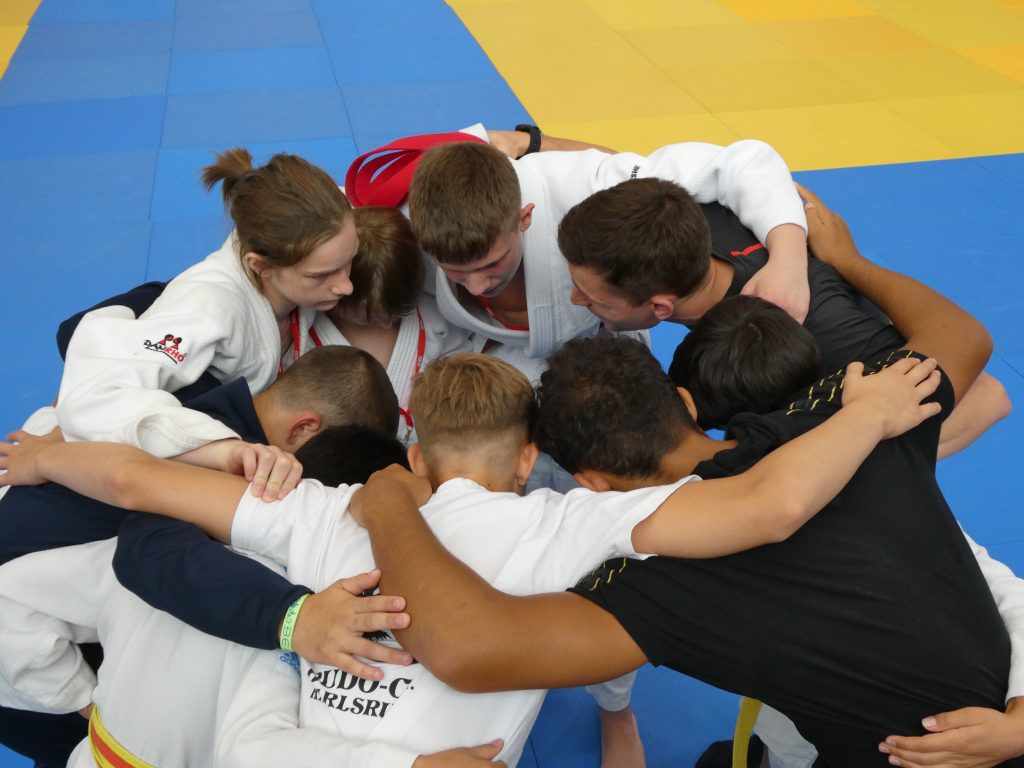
(535, 134)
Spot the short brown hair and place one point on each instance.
(642, 236)
(464, 196)
(282, 210)
(467, 399)
(387, 271)
(344, 385)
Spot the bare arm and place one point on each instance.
(983, 404)
(127, 477)
(515, 143)
(469, 634)
(931, 323)
(776, 496)
(783, 280)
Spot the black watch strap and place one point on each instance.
(535, 135)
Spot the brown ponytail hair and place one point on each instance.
(282, 210)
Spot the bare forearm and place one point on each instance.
(132, 479)
(474, 637)
(516, 143)
(554, 143)
(768, 502)
(107, 472)
(787, 244)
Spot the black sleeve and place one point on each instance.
(177, 568)
(683, 614)
(846, 326)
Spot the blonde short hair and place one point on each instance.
(467, 399)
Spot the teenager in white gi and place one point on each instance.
(244, 311)
(388, 314)
(491, 226)
(474, 414)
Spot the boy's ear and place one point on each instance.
(526, 217)
(301, 428)
(687, 398)
(663, 305)
(417, 463)
(524, 466)
(592, 480)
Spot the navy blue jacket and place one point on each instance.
(171, 565)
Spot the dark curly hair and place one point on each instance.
(606, 404)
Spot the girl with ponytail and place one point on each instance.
(244, 311)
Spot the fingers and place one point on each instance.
(355, 667)
(372, 651)
(911, 752)
(290, 472)
(808, 196)
(381, 604)
(356, 585)
(272, 472)
(814, 209)
(488, 751)
(375, 621)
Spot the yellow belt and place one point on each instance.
(105, 749)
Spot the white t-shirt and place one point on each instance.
(521, 545)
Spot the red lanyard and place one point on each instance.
(487, 305)
(421, 346)
(297, 339)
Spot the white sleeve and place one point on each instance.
(1008, 591)
(117, 381)
(749, 177)
(49, 602)
(267, 528)
(260, 726)
(476, 129)
(598, 526)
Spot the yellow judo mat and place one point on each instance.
(830, 83)
(14, 16)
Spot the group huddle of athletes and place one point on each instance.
(422, 412)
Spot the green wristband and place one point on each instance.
(288, 625)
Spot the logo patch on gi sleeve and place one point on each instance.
(169, 346)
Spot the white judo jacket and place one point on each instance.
(120, 371)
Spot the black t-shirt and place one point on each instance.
(846, 326)
(872, 616)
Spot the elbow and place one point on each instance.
(458, 662)
(457, 671)
(1002, 406)
(787, 516)
(125, 482)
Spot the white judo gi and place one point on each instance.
(120, 371)
(161, 684)
(523, 545)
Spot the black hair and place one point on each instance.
(350, 454)
(745, 354)
(606, 404)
